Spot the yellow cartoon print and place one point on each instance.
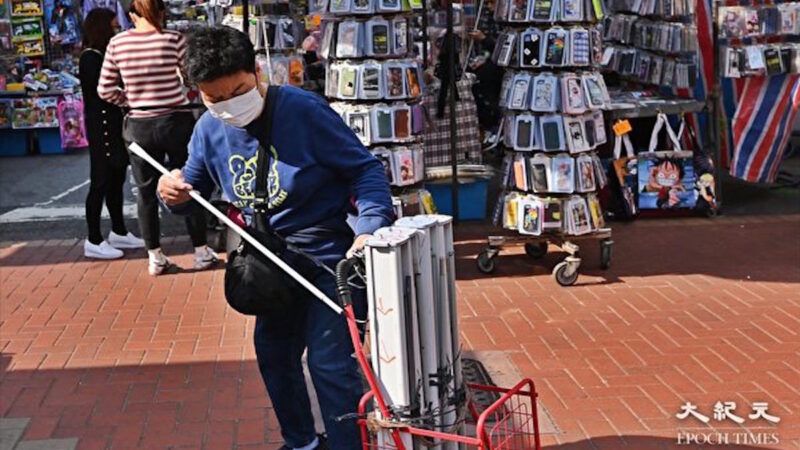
(244, 180)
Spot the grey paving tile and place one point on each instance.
(11, 430)
(49, 444)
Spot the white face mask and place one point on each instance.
(240, 110)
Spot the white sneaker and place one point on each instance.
(158, 264)
(127, 241)
(101, 251)
(204, 258)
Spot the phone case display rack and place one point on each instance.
(374, 82)
(652, 42)
(276, 32)
(757, 38)
(752, 38)
(553, 97)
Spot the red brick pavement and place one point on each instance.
(691, 310)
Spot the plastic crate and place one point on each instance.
(471, 198)
(13, 142)
(49, 141)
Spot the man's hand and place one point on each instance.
(174, 190)
(477, 35)
(358, 244)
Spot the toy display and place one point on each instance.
(6, 114)
(39, 112)
(71, 123)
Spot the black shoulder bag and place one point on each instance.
(254, 285)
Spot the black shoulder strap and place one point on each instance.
(262, 161)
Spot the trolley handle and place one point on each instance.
(343, 291)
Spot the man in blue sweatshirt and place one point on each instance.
(318, 168)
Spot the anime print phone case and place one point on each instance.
(394, 75)
(518, 11)
(562, 174)
(576, 134)
(585, 174)
(572, 101)
(405, 173)
(348, 40)
(540, 167)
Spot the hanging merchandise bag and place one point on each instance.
(71, 123)
(666, 178)
(437, 133)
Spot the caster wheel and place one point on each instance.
(486, 262)
(606, 248)
(566, 273)
(536, 251)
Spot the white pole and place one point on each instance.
(140, 152)
(471, 42)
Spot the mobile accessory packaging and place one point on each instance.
(551, 130)
(378, 37)
(562, 174)
(545, 93)
(525, 132)
(530, 48)
(531, 215)
(254, 285)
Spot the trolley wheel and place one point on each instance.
(606, 247)
(566, 272)
(486, 262)
(536, 251)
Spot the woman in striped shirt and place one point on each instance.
(141, 71)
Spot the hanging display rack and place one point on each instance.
(553, 101)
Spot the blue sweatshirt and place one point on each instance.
(316, 165)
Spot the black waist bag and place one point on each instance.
(254, 285)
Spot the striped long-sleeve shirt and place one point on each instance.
(148, 65)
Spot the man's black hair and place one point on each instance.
(218, 51)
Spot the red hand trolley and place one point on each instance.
(510, 423)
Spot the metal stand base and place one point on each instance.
(565, 272)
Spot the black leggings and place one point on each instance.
(106, 181)
(163, 137)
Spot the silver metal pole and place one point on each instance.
(141, 153)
